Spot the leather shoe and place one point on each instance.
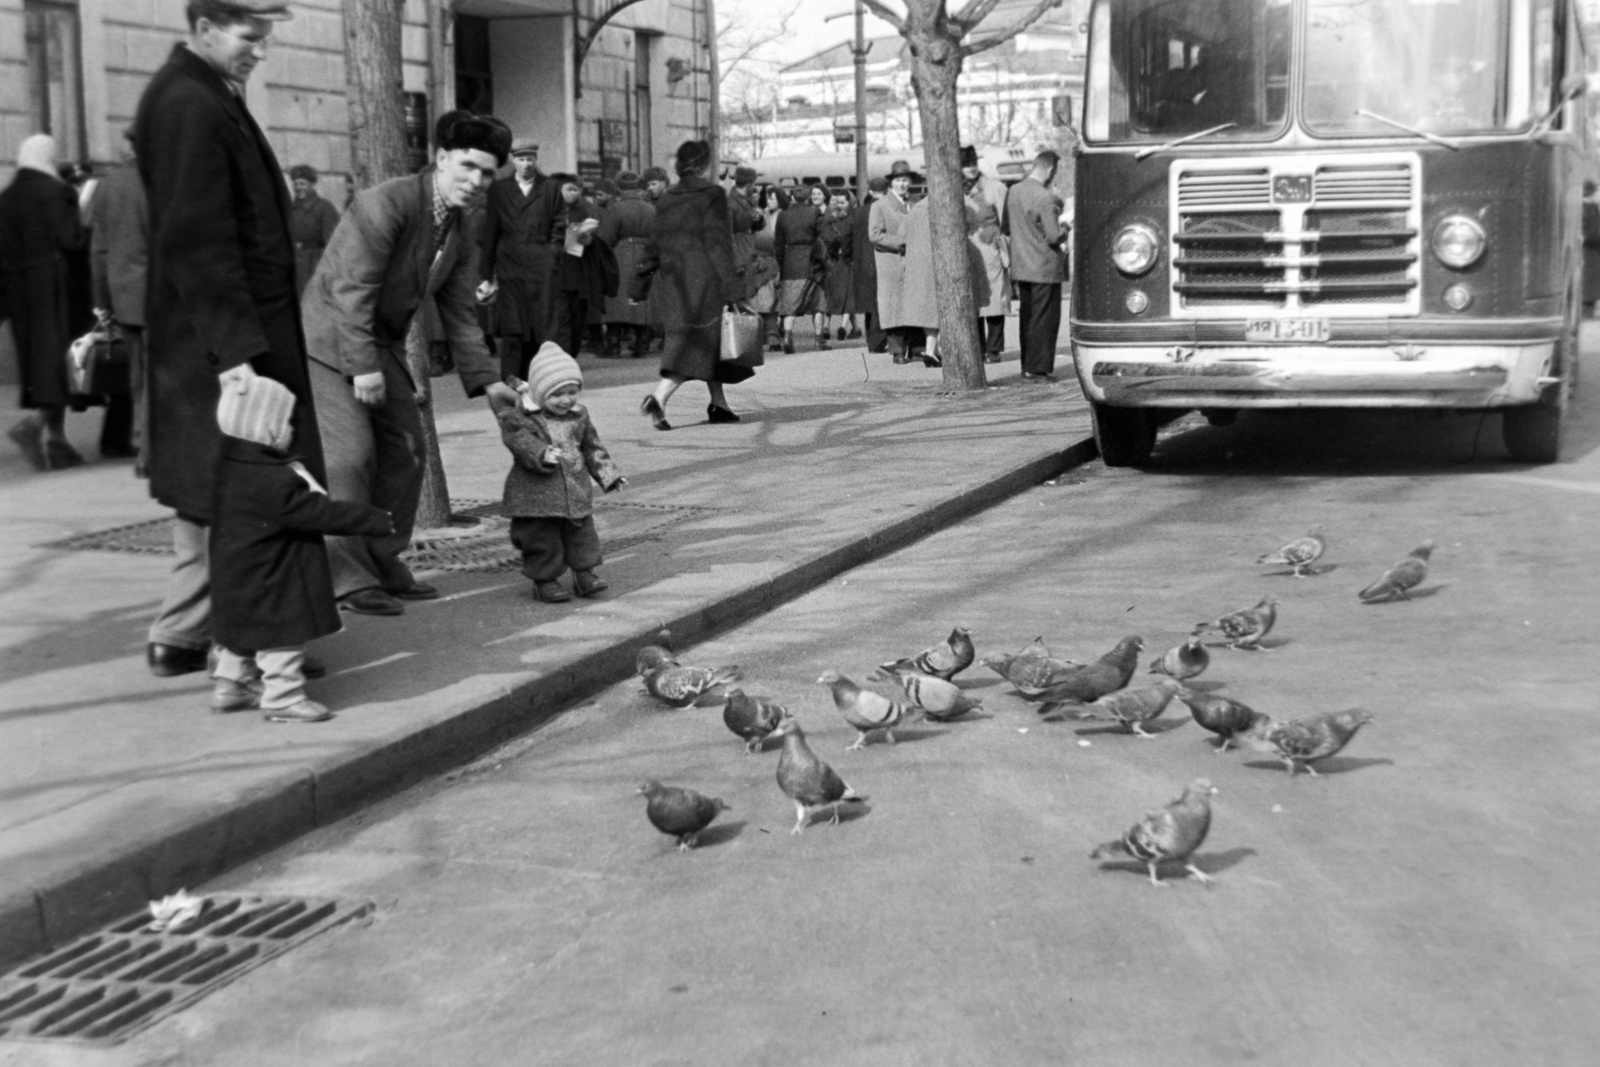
(658, 417)
(372, 602)
(588, 583)
(715, 413)
(169, 661)
(416, 591)
(551, 592)
(305, 710)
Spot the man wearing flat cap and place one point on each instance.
(311, 223)
(220, 307)
(517, 258)
(400, 244)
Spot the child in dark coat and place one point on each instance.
(271, 587)
(549, 497)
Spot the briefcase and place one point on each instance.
(741, 338)
(99, 365)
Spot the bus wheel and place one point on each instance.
(1126, 436)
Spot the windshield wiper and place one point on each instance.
(1435, 138)
(1152, 150)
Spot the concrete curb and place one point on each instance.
(127, 874)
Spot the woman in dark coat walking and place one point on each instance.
(688, 271)
(39, 225)
(799, 288)
(833, 257)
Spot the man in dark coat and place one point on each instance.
(516, 259)
(311, 223)
(1038, 264)
(864, 279)
(221, 305)
(625, 225)
(400, 245)
(119, 264)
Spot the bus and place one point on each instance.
(837, 170)
(1329, 203)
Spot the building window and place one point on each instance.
(643, 149)
(474, 76)
(55, 73)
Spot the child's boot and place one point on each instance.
(303, 710)
(551, 592)
(228, 695)
(588, 583)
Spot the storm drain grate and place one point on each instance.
(485, 546)
(108, 985)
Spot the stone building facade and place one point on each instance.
(76, 69)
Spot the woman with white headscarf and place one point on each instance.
(38, 224)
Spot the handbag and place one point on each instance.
(98, 363)
(741, 338)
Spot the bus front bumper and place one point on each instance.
(1288, 376)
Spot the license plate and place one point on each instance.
(1286, 330)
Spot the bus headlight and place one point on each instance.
(1135, 249)
(1458, 241)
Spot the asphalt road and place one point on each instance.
(1426, 901)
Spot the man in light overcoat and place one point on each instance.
(886, 229)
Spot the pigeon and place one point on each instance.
(805, 779)
(1185, 661)
(1131, 707)
(680, 686)
(751, 718)
(945, 660)
(865, 710)
(659, 654)
(1407, 574)
(1223, 717)
(938, 699)
(1171, 833)
(1105, 675)
(1300, 553)
(1031, 671)
(1246, 627)
(679, 812)
(1310, 739)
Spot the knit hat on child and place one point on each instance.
(256, 411)
(550, 369)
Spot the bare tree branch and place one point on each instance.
(741, 44)
(1037, 12)
(975, 12)
(886, 14)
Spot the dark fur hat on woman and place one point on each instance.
(462, 130)
(693, 157)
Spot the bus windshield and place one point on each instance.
(1164, 69)
(1442, 66)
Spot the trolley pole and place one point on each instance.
(860, 52)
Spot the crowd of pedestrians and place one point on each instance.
(270, 401)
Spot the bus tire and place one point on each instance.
(1532, 433)
(1125, 436)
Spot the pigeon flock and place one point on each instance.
(923, 687)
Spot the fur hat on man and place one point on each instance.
(743, 176)
(303, 172)
(480, 133)
(654, 174)
(629, 182)
(256, 411)
(549, 370)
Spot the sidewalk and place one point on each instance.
(117, 787)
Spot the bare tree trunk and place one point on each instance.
(935, 67)
(374, 89)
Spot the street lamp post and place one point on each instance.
(859, 51)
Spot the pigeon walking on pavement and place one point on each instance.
(752, 718)
(1223, 717)
(1031, 671)
(659, 654)
(806, 780)
(1185, 661)
(680, 686)
(944, 660)
(1169, 833)
(1107, 674)
(1130, 707)
(1246, 627)
(1310, 739)
(679, 812)
(936, 698)
(1402, 577)
(862, 708)
(1300, 553)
